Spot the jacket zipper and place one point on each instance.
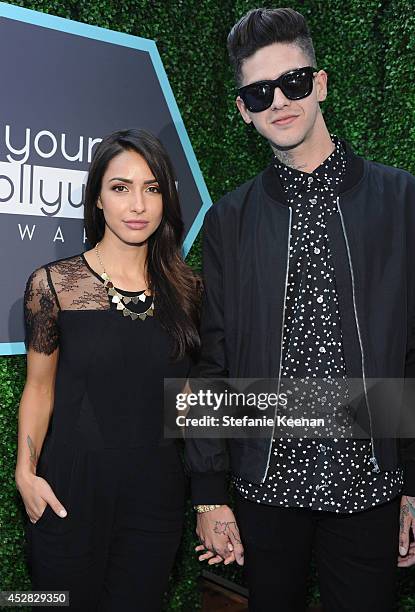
(373, 459)
(282, 337)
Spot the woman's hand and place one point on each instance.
(36, 406)
(37, 494)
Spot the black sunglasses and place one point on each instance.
(295, 85)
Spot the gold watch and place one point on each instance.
(206, 508)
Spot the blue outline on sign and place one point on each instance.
(143, 44)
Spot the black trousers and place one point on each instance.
(356, 556)
(115, 549)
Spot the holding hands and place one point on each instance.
(406, 525)
(219, 536)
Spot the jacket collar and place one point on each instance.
(354, 172)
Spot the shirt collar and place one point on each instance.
(329, 173)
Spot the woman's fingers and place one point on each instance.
(409, 559)
(207, 555)
(210, 556)
(217, 559)
(229, 559)
(206, 548)
(35, 513)
(37, 494)
(50, 498)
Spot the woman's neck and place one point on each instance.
(124, 263)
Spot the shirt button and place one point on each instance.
(320, 299)
(322, 349)
(323, 448)
(316, 250)
(310, 180)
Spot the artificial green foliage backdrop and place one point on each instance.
(368, 50)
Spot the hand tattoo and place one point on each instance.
(33, 453)
(223, 528)
(411, 505)
(402, 516)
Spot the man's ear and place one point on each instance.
(321, 85)
(242, 109)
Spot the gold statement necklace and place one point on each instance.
(123, 300)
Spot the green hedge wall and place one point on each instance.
(367, 48)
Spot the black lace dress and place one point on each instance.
(104, 454)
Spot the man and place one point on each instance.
(308, 272)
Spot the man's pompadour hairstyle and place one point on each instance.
(263, 26)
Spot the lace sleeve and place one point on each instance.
(40, 314)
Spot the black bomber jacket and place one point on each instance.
(245, 262)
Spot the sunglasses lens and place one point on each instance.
(258, 97)
(297, 85)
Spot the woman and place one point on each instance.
(103, 490)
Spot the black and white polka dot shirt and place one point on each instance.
(333, 474)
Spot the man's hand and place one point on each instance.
(219, 534)
(406, 524)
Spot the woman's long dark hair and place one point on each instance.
(177, 289)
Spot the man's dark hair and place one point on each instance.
(261, 27)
